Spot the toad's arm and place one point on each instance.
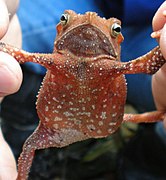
(46, 60)
(148, 64)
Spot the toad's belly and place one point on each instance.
(94, 110)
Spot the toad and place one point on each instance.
(84, 90)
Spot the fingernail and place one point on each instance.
(156, 34)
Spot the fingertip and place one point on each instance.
(10, 75)
(162, 41)
(156, 34)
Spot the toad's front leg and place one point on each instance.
(42, 138)
(149, 63)
(46, 60)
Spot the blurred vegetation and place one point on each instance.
(114, 142)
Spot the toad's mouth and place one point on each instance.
(85, 41)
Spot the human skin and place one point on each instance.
(10, 77)
(159, 79)
(10, 71)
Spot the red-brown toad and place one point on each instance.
(84, 91)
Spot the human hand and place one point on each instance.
(10, 77)
(10, 72)
(159, 79)
(8, 168)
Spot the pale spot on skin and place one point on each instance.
(91, 127)
(46, 108)
(59, 107)
(110, 131)
(112, 123)
(99, 131)
(101, 123)
(55, 99)
(68, 114)
(57, 118)
(103, 115)
(55, 126)
(114, 115)
(93, 107)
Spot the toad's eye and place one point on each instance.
(64, 19)
(115, 29)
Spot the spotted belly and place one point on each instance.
(95, 112)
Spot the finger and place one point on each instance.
(10, 75)
(7, 161)
(159, 19)
(162, 41)
(13, 35)
(12, 6)
(4, 18)
(164, 122)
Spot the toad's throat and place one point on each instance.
(86, 41)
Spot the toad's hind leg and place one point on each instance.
(145, 117)
(42, 138)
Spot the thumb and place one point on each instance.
(10, 75)
(4, 20)
(159, 21)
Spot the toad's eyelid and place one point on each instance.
(64, 18)
(115, 29)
